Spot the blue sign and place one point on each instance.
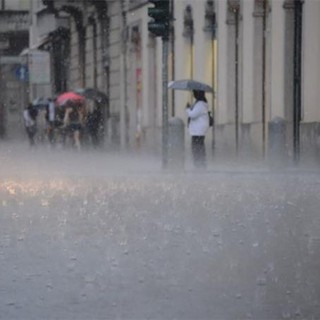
(22, 72)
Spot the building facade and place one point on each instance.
(259, 55)
(14, 24)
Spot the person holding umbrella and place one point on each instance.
(30, 114)
(70, 110)
(73, 121)
(198, 124)
(50, 118)
(198, 116)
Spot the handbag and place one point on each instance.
(210, 119)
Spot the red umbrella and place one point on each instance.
(63, 98)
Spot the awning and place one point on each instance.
(37, 45)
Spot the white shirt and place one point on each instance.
(51, 111)
(27, 119)
(199, 119)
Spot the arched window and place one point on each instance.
(188, 32)
(188, 22)
(233, 11)
(210, 18)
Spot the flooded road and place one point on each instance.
(95, 236)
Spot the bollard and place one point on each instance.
(277, 154)
(176, 147)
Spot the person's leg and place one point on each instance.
(194, 148)
(198, 151)
(202, 152)
(76, 136)
(51, 133)
(30, 135)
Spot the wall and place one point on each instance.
(16, 4)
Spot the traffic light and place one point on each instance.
(49, 4)
(159, 26)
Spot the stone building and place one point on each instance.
(14, 24)
(259, 55)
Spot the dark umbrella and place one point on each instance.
(41, 103)
(93, 94)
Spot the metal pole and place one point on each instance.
(172, 40)
(213, 50)
(123, 76)
(264, 27)
(165, 124)
(237, 79)
(214, 88)
(297, 79)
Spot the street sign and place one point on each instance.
(22, 72)
(39, 66)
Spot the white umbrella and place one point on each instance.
(189, 85)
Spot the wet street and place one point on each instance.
(98, 236)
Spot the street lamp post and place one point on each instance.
(159, 27)
(165, 116)
(297, 79)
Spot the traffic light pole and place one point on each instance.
(159, 27)
(165, 113)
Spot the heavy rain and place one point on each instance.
(115, 203)
(102, 237)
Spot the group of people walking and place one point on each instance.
(67, 125)
(73, 118)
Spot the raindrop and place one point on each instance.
(261, 282)
(298, 312)
(286, 315)
(70, 266)
(49, 286)
(89, 278)
(115, 263)
(216, 234)
(44, 203)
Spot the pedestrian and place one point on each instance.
(93, 124)
(30, 114)
(198, 124)
(50, 117)
(73, 121)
